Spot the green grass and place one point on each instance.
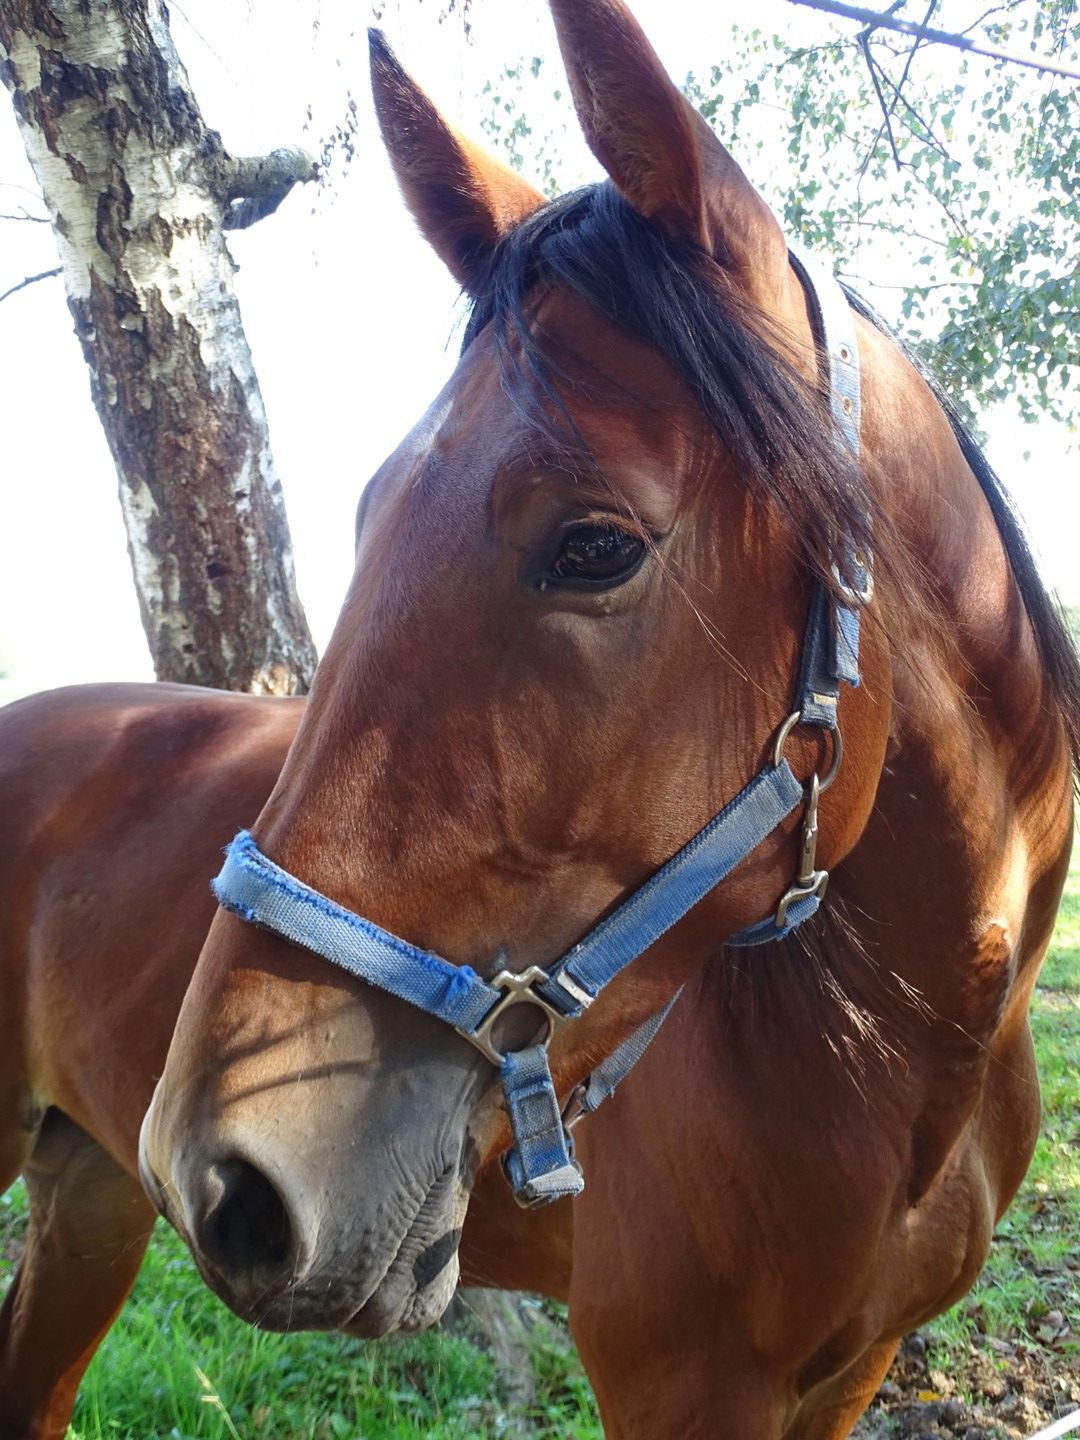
(179, 1366)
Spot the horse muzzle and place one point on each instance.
(285, 1254)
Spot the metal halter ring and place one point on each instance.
(837, 748)
(517, 990)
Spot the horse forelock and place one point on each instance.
(675, 298)
(772, 423)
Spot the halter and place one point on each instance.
(541, 1165)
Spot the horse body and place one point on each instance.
(109, 797)
(821, 1139)
(571, 638)
(117, 801)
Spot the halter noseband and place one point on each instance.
(541, 1165)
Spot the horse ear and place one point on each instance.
(660, 153)
(463, 200)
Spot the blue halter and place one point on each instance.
(541, 1166)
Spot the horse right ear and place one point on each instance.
(463, 200)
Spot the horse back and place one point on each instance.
(116, 801)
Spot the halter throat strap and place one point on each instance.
(541, 1165)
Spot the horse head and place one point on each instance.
(571, 637)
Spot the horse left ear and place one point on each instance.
(463, 200)
(660, 153)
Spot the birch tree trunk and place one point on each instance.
(140, 192)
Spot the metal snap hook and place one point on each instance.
(808, 880)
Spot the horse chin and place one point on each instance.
(420, 1280)
(410, 1294)
(400, 1305)
(397, 1304)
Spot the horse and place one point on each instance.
(116, 801)
(572, 637)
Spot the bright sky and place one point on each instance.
(347, 313)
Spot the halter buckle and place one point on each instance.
(808, 881)
(854, 592)
(517, 990)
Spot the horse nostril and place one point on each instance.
(246, 1233)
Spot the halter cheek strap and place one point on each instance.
(541, 1165)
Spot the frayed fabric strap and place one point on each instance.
(610, 1073)
(767, 930)
(675, 888)
(834, 324)
(830, 654)
(541, 1166)
(257, 890)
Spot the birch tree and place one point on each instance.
(140, 193)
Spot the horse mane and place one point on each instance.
(1057, 650)
(774, 425)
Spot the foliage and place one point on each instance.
(508, 125)
(961, 177)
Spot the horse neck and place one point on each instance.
(919, 968)
(956, 872)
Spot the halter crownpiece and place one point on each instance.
(541, 1165)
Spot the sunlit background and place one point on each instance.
(349, 316)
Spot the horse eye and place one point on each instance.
(596, 556)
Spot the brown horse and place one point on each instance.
(572, 635)
(116, 801)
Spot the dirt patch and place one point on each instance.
(999, 1391)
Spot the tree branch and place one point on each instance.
(921, 289)
(886, 124)
(927, 135)
(31, 280)
(941, 37)
(25, 215)
(899, 86)
(254, 186)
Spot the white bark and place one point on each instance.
(139, 191)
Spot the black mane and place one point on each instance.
(775, 427)
(1052, 636)
(672, 297)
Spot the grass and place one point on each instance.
(179, 1366)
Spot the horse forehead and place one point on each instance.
(614, 401)
(638, 420)
(463, 435)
